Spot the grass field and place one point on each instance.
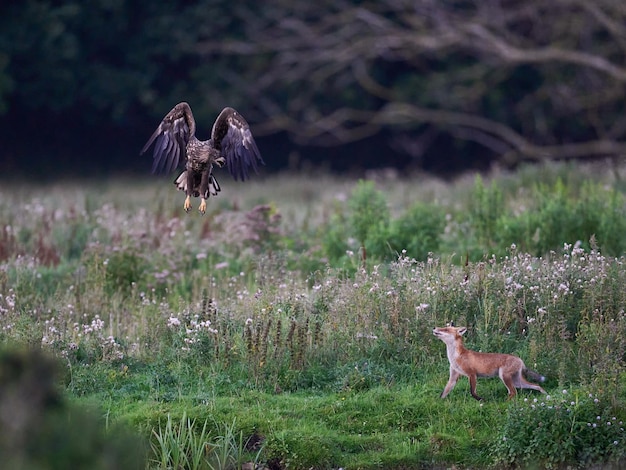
(291, 326)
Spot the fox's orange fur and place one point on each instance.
(474, 364)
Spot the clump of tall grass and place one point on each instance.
(186, 445)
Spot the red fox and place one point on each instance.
(474, 364)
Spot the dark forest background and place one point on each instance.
(435, 85)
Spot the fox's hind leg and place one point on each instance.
(510, 382)
(521, 382)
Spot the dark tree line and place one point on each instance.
(427, 82)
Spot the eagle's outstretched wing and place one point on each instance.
(170, 139)
(231, 135)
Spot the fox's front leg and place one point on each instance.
(454, 376)
(472, 381)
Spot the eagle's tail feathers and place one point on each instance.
(181, 181)
(214, 186)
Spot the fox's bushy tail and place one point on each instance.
(531, 374)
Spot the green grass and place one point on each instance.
(404, 424)
(263, 320)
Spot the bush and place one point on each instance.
(334, 239)
(123, 269)
(486, 208)
(562, 214)
(418, 231)
(369, 216)
(547, 432)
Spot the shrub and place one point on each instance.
(547, 432)
(71, 238)
(418, 231)
(123, 269)
(485, 209)
(369, 215)
(334, 239)
(562, 214)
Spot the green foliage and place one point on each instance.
(72, 239)
(598, 340)
(556, 214)
(123, 270)
(300, 449)
(368, 217)
(333, 238)
(556, 219)
(552, 431)
(486, 207)
(418, 231)
(364, 375)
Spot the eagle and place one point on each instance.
(231, 145)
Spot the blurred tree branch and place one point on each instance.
(526, 80)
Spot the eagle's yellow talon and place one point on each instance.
(202, 207)
(187, 204)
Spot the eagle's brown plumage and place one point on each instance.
(231, 144)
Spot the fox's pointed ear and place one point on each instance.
(462, 330)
